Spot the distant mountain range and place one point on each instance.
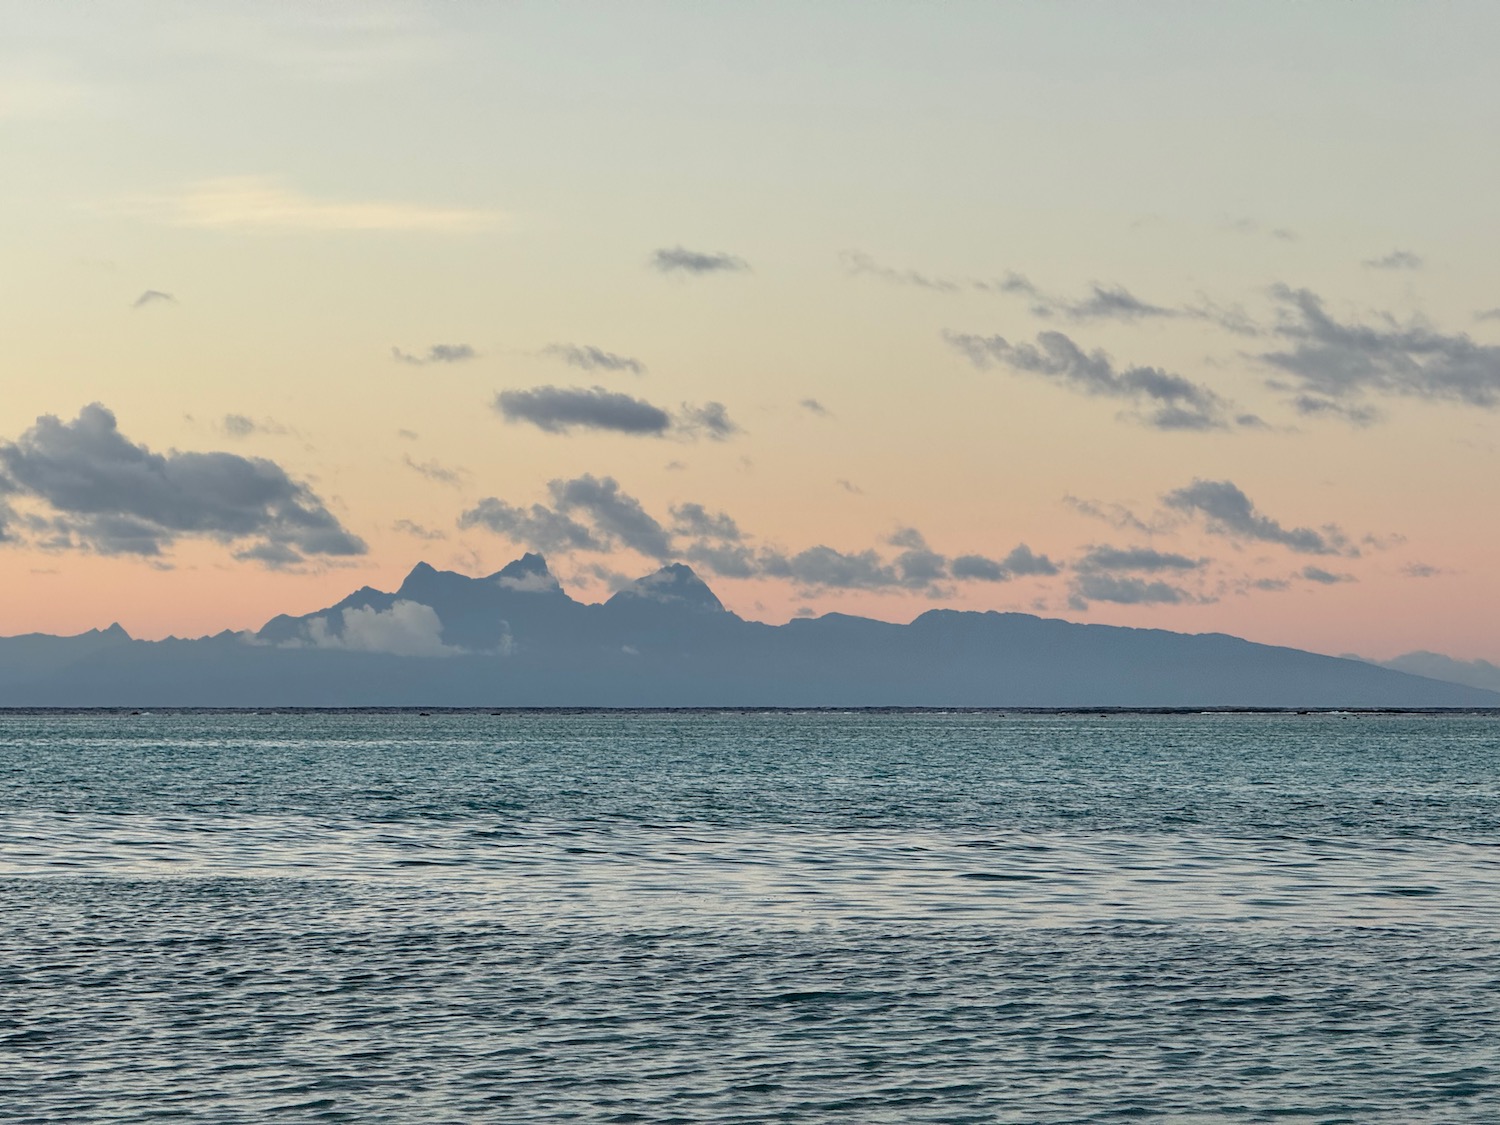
(515, 638)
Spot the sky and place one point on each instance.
(1175, 315)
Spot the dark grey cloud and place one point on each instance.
(435, 471)
(1021, 562)
(1270, 584)
(1395, 260)
(594, 514)
(1228, 511)
(813, 406)
(676, 259)
(615, 514)
(1097, 586)
(1324, 577)
(557, 410)
(1487, 314)
(698, 522)
(586, 357)
(103, 492)
(850, 487)
(1107, 558)
(1421, 570)
(437, 353)
(827, 568)
(152, 297)
(539, 527)
(1171, 402)
(1334, 364)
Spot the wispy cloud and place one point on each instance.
(1395, 260)
(677, 259)
(152, 297)
(1171, 402)
(1335, 364)
(437, 353)
(265, 204)
(586, 357)
(435, 471)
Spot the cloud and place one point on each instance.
(813, 406)
(242, 425)
(1395, 260)
(110, 495)
(263, 203)
(437, 353)
(695, 520)
(1116, 515)
(1334, 364)
(407, 628)
(593, 514)
(539, 527)
(1172, 402)
(558, 410)
(151, 297)
(1228, 511)
(615, 514)
(1421, 570)
(1021, 562)
(1487, 314)
(850, 487)
(1324, 577)
(678, 260)
(586, 357)
(857, 262)
(1102, 587)
(1107, 558)
(1249, 226)
(710, 420)
(417, 531)
(435, 471)
(1102, 302)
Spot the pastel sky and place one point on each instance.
(1176, 315)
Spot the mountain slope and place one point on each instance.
(515, 638)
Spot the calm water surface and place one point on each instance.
(724, 917)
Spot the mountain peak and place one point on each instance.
(528, 574)
(676, 584)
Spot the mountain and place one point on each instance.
(516, 638)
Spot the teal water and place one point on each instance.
(728, 917)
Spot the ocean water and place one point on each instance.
(736, 917)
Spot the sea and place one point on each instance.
(741, 916)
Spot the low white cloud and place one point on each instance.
(406, 629)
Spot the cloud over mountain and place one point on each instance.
(97, 490)
(594, 514)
